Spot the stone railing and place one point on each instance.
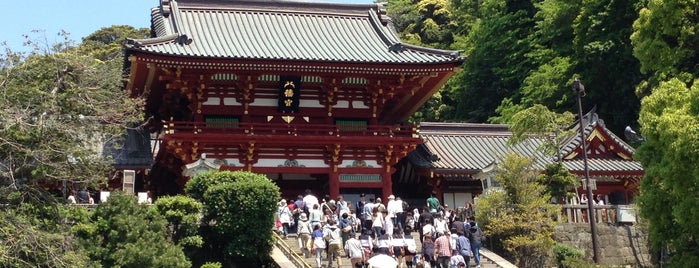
(610, 214)
(290, 254)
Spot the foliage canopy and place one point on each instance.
(238, 215)
(123, 233)
(519, 218)
(670, 122)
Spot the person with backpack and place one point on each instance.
(304, 234)
(359, 206)
(476, 238)
(333, 237)
(428, 251)
(463, 247)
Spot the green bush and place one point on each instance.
(182, 215)
(238, 215)
(569, 257)
(123, 233)
(211, 265)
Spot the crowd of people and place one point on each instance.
(333, 229)
(80, 197)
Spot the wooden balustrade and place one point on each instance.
(288, 129)
(610, 214)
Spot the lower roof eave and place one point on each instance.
(454, 171)
(612, 173)
(296, 65)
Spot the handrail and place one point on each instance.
(294, 257)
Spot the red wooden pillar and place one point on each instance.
(334, 181)
(386, 185)
(438, 190)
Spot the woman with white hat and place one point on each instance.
(284, 215)
(304, 234)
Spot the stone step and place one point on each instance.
(292, 241)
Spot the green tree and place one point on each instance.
(59, 107)
(238, 215)
(123, 233)
(35, 233)
(430, 23)
(58, 110)
(497, 64)
(601, 53)
(519, 218)
(546, 83)
(538, 122)
(106, 43)
(669, 120)
(423, 22)
(665, 41)
(604, 61)
(183, 216)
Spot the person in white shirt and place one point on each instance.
(354, 249)
(342, 206)
(368, 214)
(599, 200)
(440, 224)
(304, 234)
(315, 216)
(393, 206)
(71, 198)
(388, 226)
(310, 199)
(428, 229)
(378, 223)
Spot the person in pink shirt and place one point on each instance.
(442, 248)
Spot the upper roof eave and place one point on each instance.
(263, 5)
(380, 68)
(282, 30)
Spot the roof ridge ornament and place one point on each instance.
(165, 8)
(383, 14)
(397, 47)
(183, 39)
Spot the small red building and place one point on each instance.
(314, 95)
(457, 159)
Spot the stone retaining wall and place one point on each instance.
(618, 245)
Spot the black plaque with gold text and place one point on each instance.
(289, 91)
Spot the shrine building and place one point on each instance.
(457, 160)
(313, 95)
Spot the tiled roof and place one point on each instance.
(470, 148)
(604, 164)
(281, 30)
(591, 121)
(133, 151)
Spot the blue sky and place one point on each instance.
(77, 17)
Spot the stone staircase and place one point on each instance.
(292, 242)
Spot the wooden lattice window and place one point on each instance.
(222, 121)
(351, 125)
